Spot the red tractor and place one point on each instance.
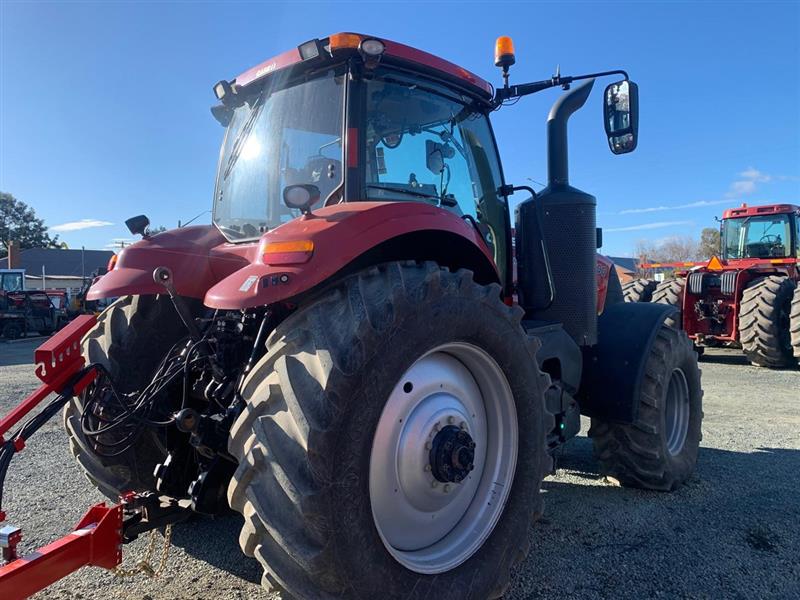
(343, 356)
(750, 298)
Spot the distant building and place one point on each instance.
(626, 267)
(56, 267)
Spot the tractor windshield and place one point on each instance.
(767, 236)
(284, 134)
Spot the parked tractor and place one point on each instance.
(748, 299)
(24, 311)
(343, 356)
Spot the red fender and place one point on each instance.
(339, 234)
(198, 257)
(206, 266)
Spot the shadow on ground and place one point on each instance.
(216, 542)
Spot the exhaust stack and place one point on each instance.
(562, 222)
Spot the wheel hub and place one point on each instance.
(452, 455)
(443, 458)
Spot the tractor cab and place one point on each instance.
(763, 232)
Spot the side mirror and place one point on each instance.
(621, 116)
(301, 197)
(138, 225)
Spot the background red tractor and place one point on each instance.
(750, 298)
(340, 356)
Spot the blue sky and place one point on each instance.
(104, 107)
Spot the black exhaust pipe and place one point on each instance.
(559, 224)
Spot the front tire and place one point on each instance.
(764, 321)
(131, 337)
(659, 450)
(358, 375)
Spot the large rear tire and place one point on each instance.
(130, 339)
(638, 290)
(794, 322)
(659, 450)
(764, 321)
(335, 440)
(671, 292)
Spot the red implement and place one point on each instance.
(96, 541)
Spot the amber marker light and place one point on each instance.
(504, 52)
(288, 253)
(339, 41)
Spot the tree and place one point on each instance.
(19, 223)
(672, 249)
(709, 243)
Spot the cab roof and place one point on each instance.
(339, 44)
(768, 209)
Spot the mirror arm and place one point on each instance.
(524, 89)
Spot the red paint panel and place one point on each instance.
(604, 266)
(340, 234)
(271, 65)
(198, 257)
(752, 211)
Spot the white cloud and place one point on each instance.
(747, 184)
(78, 225)
(655, 225)
(698, 204)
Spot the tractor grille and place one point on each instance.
(696, 283)
(728, 282)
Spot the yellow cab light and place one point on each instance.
(339, 41)
(289, 252)
(504, 52)
(714, 264)
(112, 262)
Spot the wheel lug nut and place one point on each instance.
(463, 425)
(446, 488)
(427, 467)
(428, 445)
(451, 420)
(434, 483)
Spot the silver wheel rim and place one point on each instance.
(430, 526)
(677, 411)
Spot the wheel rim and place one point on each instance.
(677, 412)
(452, 396)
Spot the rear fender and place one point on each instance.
(614, 368)
(349, 236)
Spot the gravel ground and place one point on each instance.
(732, 532)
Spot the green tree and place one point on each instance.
(18, 222)
(709, 243)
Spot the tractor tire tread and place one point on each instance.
(763, 316)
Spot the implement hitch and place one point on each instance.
(98, 537)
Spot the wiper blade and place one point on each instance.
(414, 193)
(240, 140)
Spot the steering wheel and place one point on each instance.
(768, 238)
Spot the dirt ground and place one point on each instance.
(733, 531)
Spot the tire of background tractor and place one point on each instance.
(764, 321)
(12, 331)
(130, 339)
(671, 292)
(659, 450)
(794, 322)
(638, 290)
(353, 385)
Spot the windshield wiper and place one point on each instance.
(238, 143)
(414, 193)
